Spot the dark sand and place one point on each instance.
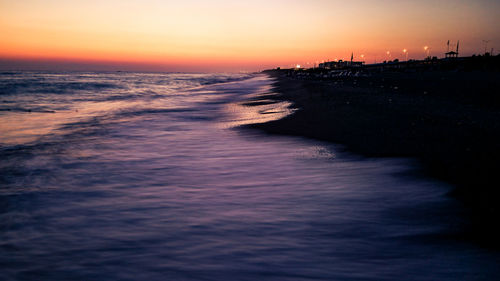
(448, 120)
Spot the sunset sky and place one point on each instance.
(228, 35)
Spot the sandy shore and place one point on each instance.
(448, 120)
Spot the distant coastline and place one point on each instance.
(445, 113)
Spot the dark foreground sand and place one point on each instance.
(448, 120)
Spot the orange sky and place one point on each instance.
(227, 35)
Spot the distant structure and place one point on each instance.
(486, 46)
(339, 64)
(452, 54)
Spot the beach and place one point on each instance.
(447, 119)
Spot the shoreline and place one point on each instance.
(448, 120)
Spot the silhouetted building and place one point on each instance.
(451, 55)
(340, 64)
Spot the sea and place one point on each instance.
(154, 176)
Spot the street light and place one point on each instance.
(426, 49)
(405, 51)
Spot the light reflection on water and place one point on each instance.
(159, 186)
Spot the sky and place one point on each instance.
(231, 35)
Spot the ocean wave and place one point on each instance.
(10, 72)
(28, 87)
(77, 100)
(147, 111)
(21, 109)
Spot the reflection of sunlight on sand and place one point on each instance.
(240, 114)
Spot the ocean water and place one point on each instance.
(137, 176)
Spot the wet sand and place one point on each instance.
(448, 120)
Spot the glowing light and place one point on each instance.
(426, 49)
(405, 51)
(298, 66)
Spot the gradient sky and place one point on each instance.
(229, 35)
